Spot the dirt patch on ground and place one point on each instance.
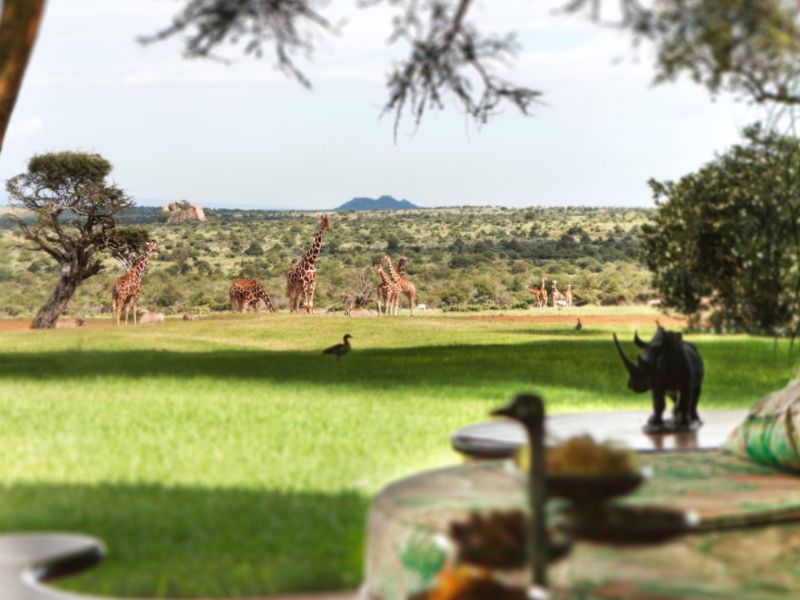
(623, 320)
(24, 324)
(14, 324)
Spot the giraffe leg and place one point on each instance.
(308, 289)
(127, 311)
(412, 299)
(244, 305)
(135, 308)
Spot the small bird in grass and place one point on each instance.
(339, 349)
(578, 325)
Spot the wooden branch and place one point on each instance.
(458, 22)
(19, 25)
(37, 238)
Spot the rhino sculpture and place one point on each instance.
(670, 367)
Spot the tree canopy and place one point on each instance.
(74, 215)
(749, 47)
(727, 237)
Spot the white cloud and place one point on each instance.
(26, 128)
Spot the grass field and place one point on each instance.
(227, 457)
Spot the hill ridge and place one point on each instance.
(384, 202)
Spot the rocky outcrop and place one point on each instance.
(183, 211)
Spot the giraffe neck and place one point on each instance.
(384, 277)
(311, 255)
(392, 272)
(138, 268)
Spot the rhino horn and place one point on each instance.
(638, 341)
(625, 360)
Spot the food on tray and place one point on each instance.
(581, 456)
(496, 539)
(463, 583)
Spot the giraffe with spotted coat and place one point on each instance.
(301, 281)
(244, 292)
(127, 289)
(408, 289)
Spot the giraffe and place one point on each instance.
(302, 277)
(244, 292)
(568, 294)
(128, 287)
(408, 289)
(540, 294)
(388, 293)
(558, 297)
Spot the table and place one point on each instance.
(747, 544)
(500, 438)
(28, 559)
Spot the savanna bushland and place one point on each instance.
(461, 259)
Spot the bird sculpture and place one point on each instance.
(578, 325)
(339, 349)
(528, 409)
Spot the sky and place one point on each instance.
(243, 135)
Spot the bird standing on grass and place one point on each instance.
(339, 349)
(578, 325)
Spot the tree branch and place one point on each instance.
(19, 24)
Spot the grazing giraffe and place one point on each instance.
(568, 294)
(388, 293)
(128, 287)
(244, 292)
(408, 289)
(302, 277)
(540, 294)
(558, 297)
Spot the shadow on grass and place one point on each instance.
(186, 541)
(562, 332)
(737, 370)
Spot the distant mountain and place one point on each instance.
(382, 203)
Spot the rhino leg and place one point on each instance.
(693, 414)
(655, 423)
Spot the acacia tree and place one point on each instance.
(728, 236)
(74, 215)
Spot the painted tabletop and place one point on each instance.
(500, 438)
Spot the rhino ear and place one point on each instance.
(658, 339)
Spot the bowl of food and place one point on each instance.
(582, 469)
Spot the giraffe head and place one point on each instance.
(324, 223)
(151, 246)
(402, 262)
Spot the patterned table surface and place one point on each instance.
(750, 549)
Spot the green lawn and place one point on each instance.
(227, 457)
